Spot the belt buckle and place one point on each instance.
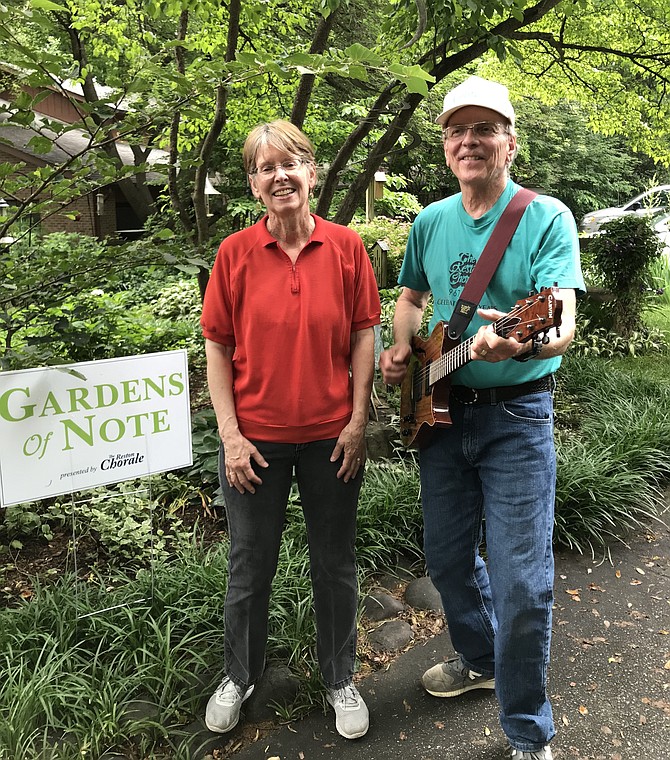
(474, 399)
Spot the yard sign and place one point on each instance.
(79, 426)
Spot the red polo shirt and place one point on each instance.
(291, 326)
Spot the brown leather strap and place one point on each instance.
(488, 262)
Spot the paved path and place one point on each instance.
(609, 679)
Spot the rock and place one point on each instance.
(194, 740)
(390, 636)
(379, 439)
(422, 595)
(279, 686)
(379, 605)
(140, 710)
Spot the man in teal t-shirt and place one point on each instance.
(496, 460)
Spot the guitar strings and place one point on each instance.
(461, 352)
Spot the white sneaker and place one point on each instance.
(352, 718)
(538, 754)
(223, 708)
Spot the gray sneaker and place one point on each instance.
(538, 754)
(223, 709)
(352, 718)
(451, 678)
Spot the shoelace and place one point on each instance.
(227, 693)
(347, 698)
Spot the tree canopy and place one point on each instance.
(363, 79)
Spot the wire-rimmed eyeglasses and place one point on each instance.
(288, 166)
(479, 129)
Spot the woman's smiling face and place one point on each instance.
(282, 192)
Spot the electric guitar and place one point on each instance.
(424, 394)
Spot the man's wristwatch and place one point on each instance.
(535, 350)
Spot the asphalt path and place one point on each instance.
(609, 678)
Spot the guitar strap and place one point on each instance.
(488, 262)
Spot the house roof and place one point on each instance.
(15, 139)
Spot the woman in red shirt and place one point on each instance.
(288, 321)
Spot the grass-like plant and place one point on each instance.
(74, 679)
(613, 443)
(130, 680)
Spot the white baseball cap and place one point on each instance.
(475, 91)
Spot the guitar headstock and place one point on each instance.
(532, 316)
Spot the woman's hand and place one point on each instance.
(351, 446)
(238, 452)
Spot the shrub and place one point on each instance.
(394, 233)
(622, 255)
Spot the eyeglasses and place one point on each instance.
(288, 166)
(479, 129)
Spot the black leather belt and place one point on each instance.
(465, 395)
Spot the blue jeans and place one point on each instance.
(497, 462)
(255, 526)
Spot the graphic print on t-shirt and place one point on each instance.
(459, 272)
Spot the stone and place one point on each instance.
(379, 605)
(422, 595)
(391, 636)
(379, 439)
(277, 686)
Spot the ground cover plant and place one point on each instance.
(133, 680)
(76, 681)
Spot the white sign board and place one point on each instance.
(79, 426)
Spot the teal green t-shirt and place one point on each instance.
(444, 246)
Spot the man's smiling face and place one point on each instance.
(476, 160)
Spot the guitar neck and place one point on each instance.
(459, 355)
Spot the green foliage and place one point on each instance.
(622, 255)
(596, 341)
(84, 676)
(125, 522)
(206, 443)
(612, 457)
(139, 672)
(396, 202)
(561, 155)
(180, 300)
(659, 271)
(54, 310)
(393, 232)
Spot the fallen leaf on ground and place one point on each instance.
(583, 710)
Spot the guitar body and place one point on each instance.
(424, 394)
(422, 406)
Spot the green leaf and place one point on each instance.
(47, 5)
(358, 52)
(188, 269)
(40, 144)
